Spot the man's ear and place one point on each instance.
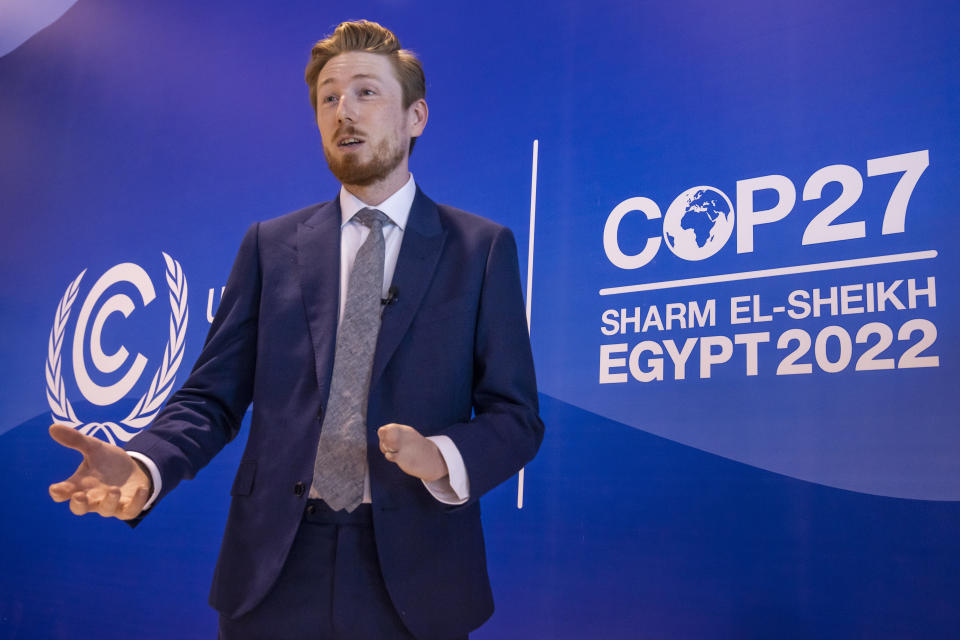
(417, 118)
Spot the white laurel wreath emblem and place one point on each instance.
(160, 387)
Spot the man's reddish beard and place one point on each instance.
(350, 170)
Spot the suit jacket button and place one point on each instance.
(320, 414)
(299, 489)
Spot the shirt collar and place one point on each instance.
(396, 207)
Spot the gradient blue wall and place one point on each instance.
(731, 501)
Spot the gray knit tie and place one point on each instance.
(341, 463)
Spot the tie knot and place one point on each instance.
(371, 218)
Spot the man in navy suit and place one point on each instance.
(451, 410)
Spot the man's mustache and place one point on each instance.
(349, 130)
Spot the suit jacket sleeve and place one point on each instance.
(506, 429)
(205, 414)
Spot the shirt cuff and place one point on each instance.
(454, 488)
(154, 475)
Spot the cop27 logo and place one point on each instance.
(700, 220)
(161, 385)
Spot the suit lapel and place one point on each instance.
(318, 260)
(419, 253)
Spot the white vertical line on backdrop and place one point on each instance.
(533, 224)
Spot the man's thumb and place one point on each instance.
(71, 438)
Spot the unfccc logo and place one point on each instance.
(161, 385)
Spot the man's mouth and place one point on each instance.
(349, 142)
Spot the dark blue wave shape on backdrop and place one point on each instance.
(623, 535)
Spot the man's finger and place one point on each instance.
(72, 438)
(78, 503)
(392, 435)
(108, 507)
(136, 503)
(61, 491)
(387, 432)
(131, 508)
(386, 449)
(95, 496)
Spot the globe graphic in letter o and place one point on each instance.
(698, 223)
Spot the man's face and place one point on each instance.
(365, 129)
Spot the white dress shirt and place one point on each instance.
(455, 487)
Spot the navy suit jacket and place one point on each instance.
(452, 357)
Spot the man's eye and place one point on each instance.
(329, 99)
(367, 92)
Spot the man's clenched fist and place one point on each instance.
(413, 453)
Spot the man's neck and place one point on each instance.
(376, 193)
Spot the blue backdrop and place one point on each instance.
(744, 302)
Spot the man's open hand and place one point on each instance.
(108, 481)
(414, 454)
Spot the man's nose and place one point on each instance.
(345, 109)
